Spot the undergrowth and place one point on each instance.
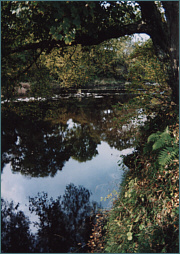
(145, 216)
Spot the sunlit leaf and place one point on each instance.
(129, 236)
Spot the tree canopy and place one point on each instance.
(33, 27)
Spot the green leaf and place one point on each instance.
(67, 40)
(137, 218)
(58, 37)
(52, 30)
(141, 227)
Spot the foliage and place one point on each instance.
(146, 72)
(145, 65)
(78, 66)
(59, 21)
(15, 229)
(145, 217)
(147, 82)
(26, 44)
(166, 146)
(32, 28)
(62, 222)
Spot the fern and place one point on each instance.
(160, 139)
(147, 148)
(169, 149)
(154, 137)
(167, 155)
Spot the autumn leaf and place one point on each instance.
(129, 235)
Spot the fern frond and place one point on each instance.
(163, 141)
(147, 148)
(153, 137)
(160, 139)
(166, 144)
(168, 154)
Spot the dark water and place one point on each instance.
(59, 162)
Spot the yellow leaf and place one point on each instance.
(129, 235)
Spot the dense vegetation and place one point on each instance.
(145, 217)
(78, 67)
(70, 44)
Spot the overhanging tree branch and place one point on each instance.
(84, 39)
(114, 31)
(46, 44)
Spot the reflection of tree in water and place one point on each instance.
(38, 149)
(37, 140)
(64, 224)
(15, 233)
(33, 152)
(84, 144)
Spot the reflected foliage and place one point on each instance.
(84, 145)
(63, 224)
(33, 151)
(15, 232)
(39, 137)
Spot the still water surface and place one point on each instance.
(59, 159)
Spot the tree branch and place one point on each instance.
(46, 44)
(115, 31)
(28, 67)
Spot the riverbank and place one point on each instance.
(145, 216)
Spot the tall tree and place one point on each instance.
(40, 26)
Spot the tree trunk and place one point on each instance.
(165, 37)
(172, 15)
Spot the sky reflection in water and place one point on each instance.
(100, 175)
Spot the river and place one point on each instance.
(60, 161)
